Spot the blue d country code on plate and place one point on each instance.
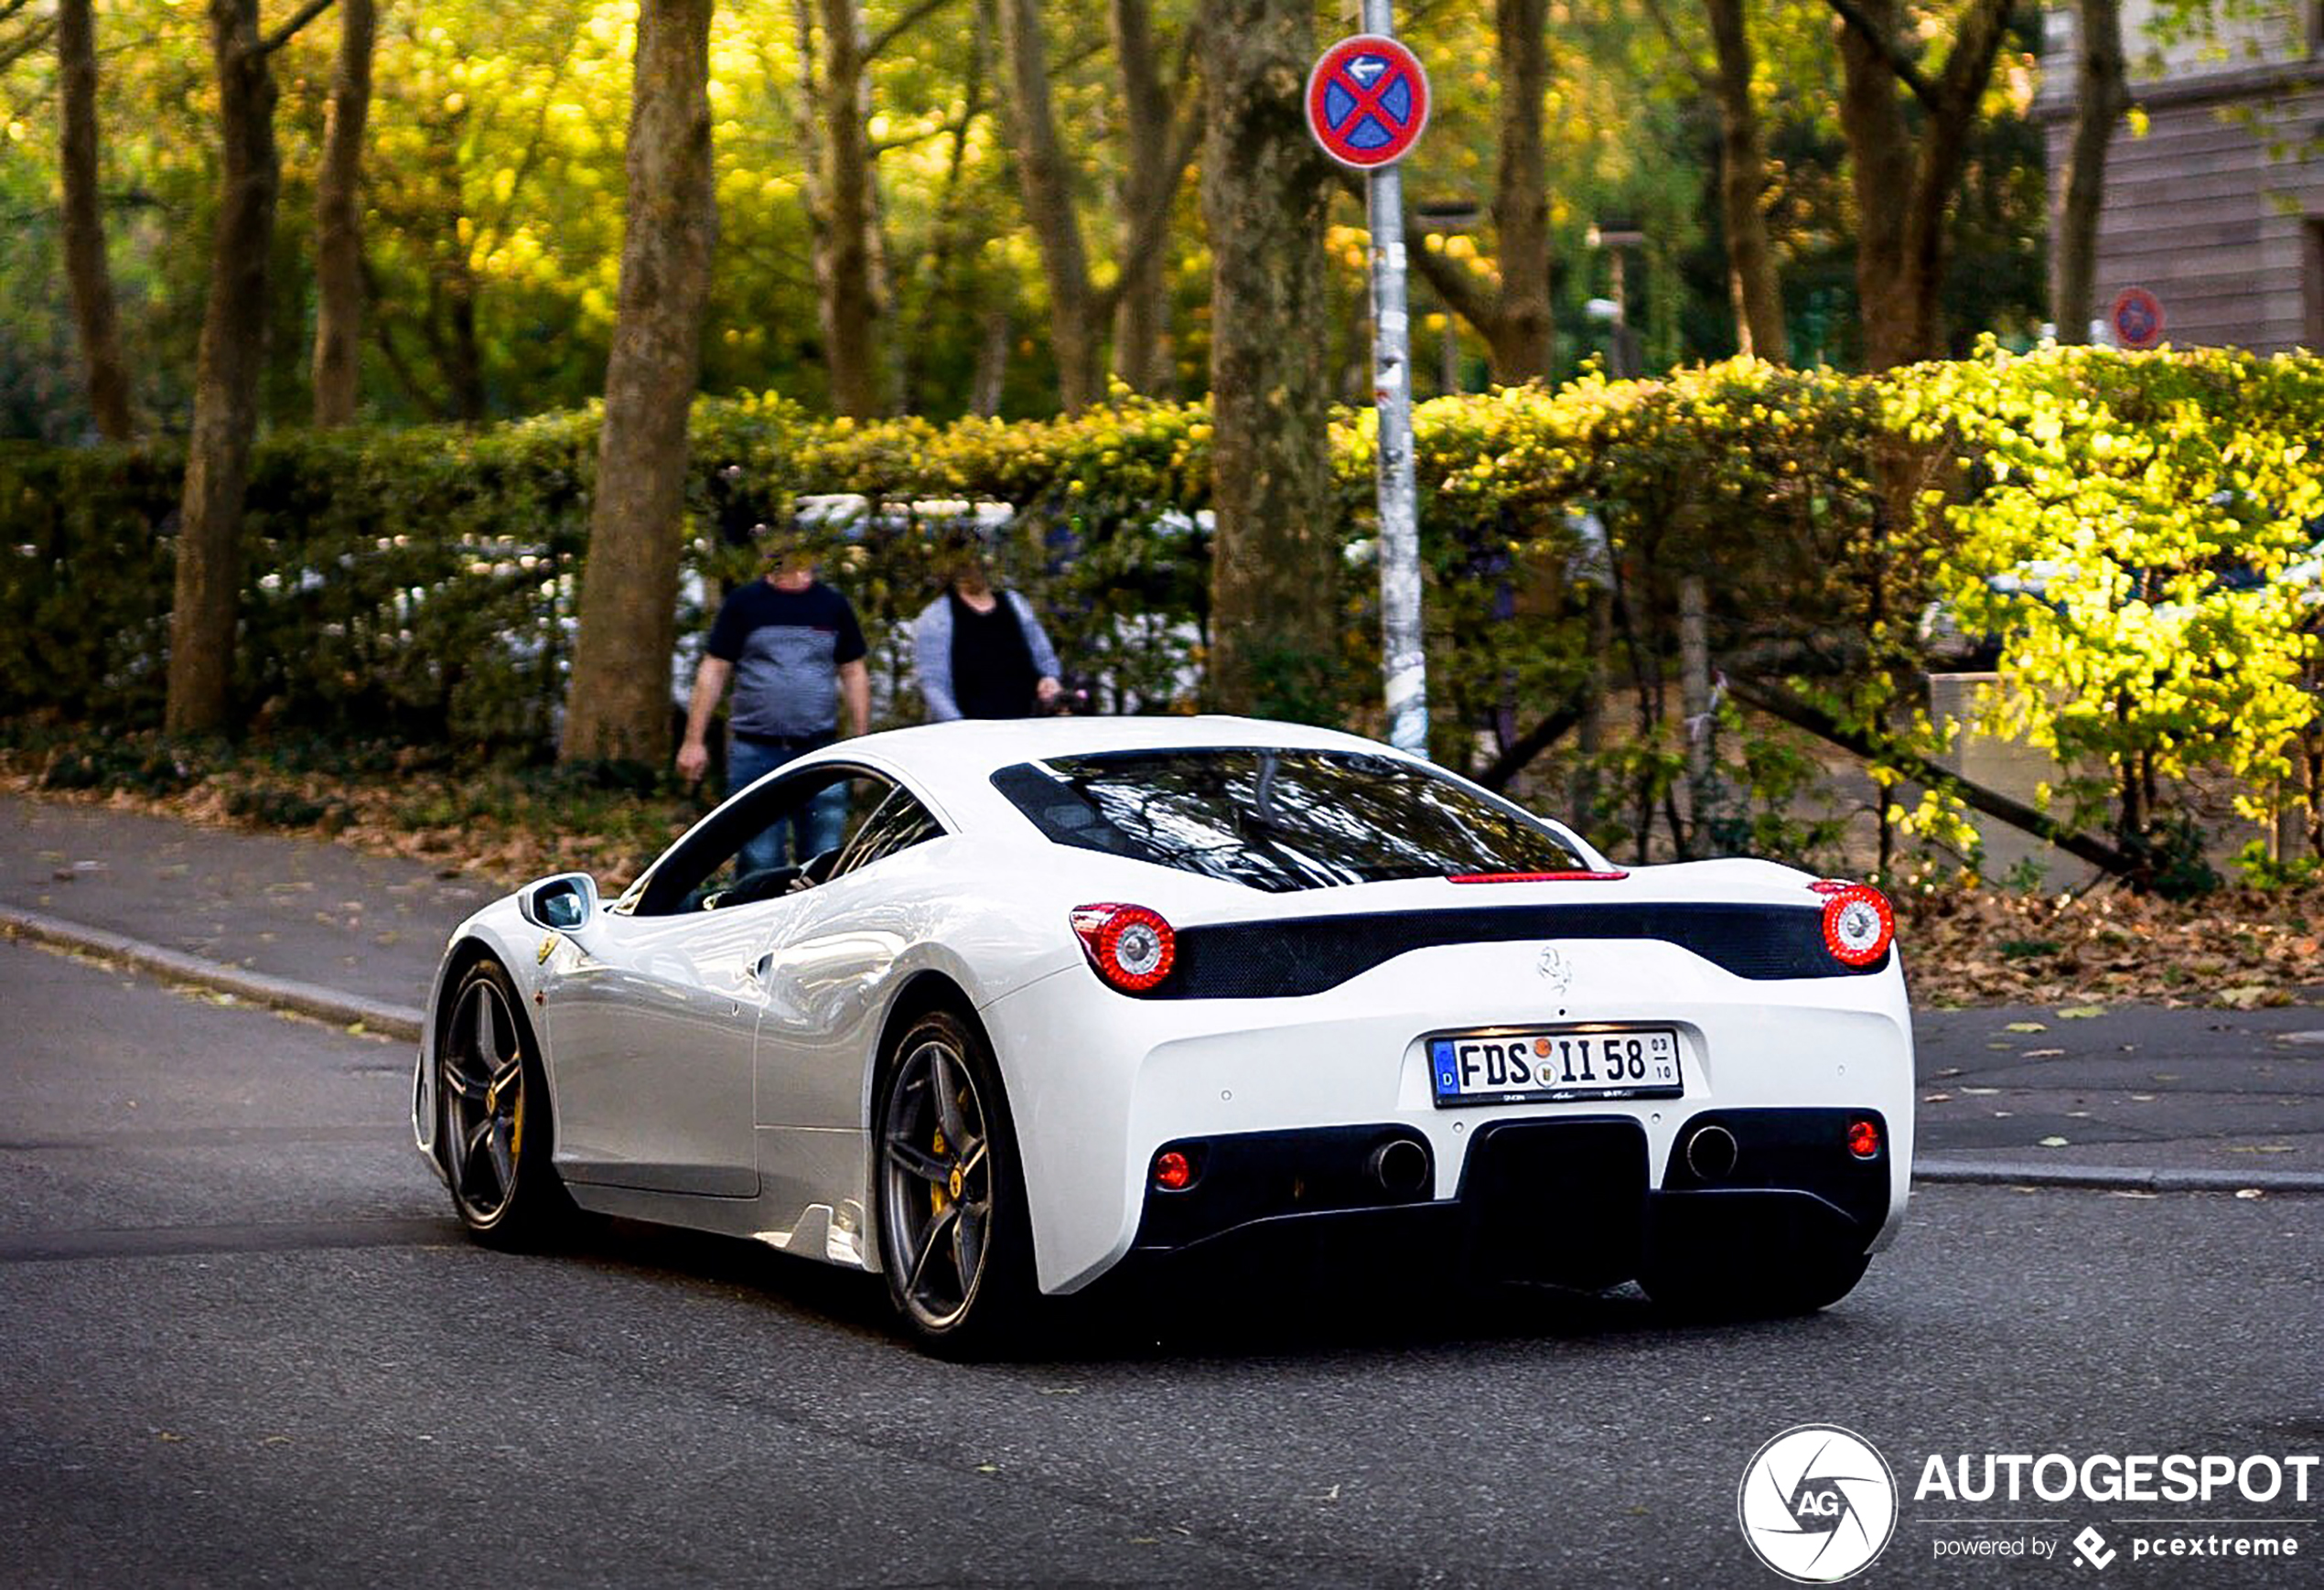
(1511, 1067)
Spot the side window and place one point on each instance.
(758, 848)
(898, 822)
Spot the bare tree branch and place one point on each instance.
(1970, 66)
(1531, 744)
(34, 38)
(1777, 702)
(1150, 228)
(1702, 79)
(895, 29)
(299, 18)
(1898, 58)
(953, 127)
(1462, 293)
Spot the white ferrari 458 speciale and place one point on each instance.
(1078, 998)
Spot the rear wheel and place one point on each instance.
(492, 1129)
(1801, 1284)
(956, 1240)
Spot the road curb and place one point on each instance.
(2111, 1177)
(394, 1021)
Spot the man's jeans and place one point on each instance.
(811, 830)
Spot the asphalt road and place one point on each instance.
(245, 1344)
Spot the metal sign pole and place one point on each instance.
(1403, 660)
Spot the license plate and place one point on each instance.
(1528, 1066)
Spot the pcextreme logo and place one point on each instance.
(1817, 1504)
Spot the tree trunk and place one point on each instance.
(1513, 317)
(1904, 189)
(87, 275)
(339, 220)
(619, 704)
(1142, 311)
(1880, 172)
(2101, 98)
(835, 104)
(990, 377)
(1275, 559)
(1520, 337)
(1045, 179)
(953, 235)
(226, 371)
(1751, 279)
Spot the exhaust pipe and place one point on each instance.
(1711, 1153)
(1401, 1166)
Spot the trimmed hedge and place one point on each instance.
(421, 584)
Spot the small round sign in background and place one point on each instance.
(1367, 101)
(2137, 318)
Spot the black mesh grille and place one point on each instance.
(1310, 954)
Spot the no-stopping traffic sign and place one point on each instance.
(2137, 318)
(1367, 101)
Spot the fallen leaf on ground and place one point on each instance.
(2081, 1012)
(2250, 1193)
(2025, 1026)
(2053, 1142)
(2254, 995)
(1936, 1098)
(2043, 1054)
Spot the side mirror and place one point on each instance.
(563, 903)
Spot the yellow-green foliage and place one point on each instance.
(421, 582)
(2162, 497)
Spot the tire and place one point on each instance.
(1710, 1290)
(492, 1117)
(955, 1238)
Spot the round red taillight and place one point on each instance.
(1171, 1170)
(1132, 947)
(1858, 925)
(1864, 1139)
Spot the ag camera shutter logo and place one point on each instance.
(1817, 1504)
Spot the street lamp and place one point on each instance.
(1453, 216)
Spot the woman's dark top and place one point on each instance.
(993, 671)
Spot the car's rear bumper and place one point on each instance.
(1574, 1201)
(1099, 1083)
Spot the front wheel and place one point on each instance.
(493, 1127)
(956, 1240)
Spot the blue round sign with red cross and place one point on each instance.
(2138, 317)
(1367, 101)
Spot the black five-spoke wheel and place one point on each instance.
(491, 1130)
(952, 1219)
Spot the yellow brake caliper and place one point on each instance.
(936, 1198)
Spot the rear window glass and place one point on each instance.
(1280, 820)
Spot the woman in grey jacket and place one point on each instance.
(981, 653)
